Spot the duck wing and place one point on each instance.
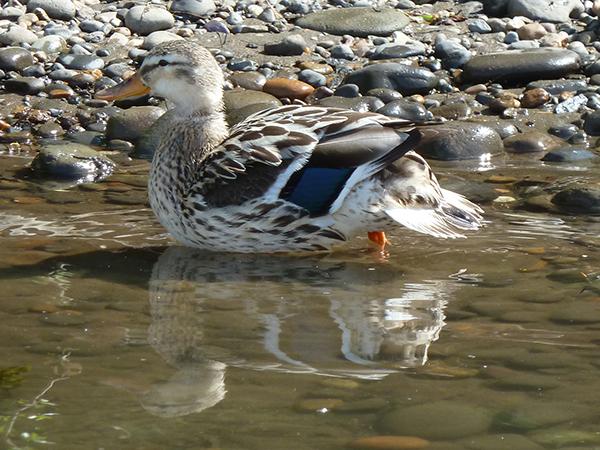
(308, 155)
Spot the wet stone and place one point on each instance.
(504, 441)
(50, 130)
(534, 98)
(313, 78)
(531, 141)
(436, 420)
(388, 443)
(507, 379)
(452, 111)
(556, 87)
(542, 10)
(363, 406)
(131, 123)
(399, 77)
(560, 438)
(14, 58)
(385, 95)
(64, 318)
(521, 65)
(572, 104)
(459, 141)
(389, 51)
(359, 21)
(143, 19)
(24, 85)
(72, 161)
(569, 155)
(580, 200)
(317, 404)
(406, 109)
(538, 414)
(361, 104)
(248, 80)
(287, 88)
(592, 124)
(81, 62)
(452, 53)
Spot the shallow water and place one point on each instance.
(114, 338)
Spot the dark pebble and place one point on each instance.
(459, 141)
(406, 109)
(72, 161)
(15, 58)
(347, 90)
(568, 155)
(385, 95)
(582, 200)
(81, 62)
(400, 77)
(24, 85)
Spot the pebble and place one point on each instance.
(24, 85)
(358, 21)
(405, 79)
(534, 98)
(531, 141)
(531, 31)
(71, 161)
(558, 11)
(313, 78)
(249, 80)
(56, 9)
(563, 437)
(453, 54)
(131, 123)
(145, 19)
(286, 88)
(569, 155)
(81, 62)
(15, 58)
(361, 104)
(347, 90)
(342, 51)
(406, 109)
(293, 45)
(459, 141)
(17, 35)
(572, 104)
(158, 37)
(50, 44)
(521, 65)
(538, 414)
(390, 51)
(591, 124)
(388, 443)
(196, 8)
(584, 200)
(438, 420)
(478, 26)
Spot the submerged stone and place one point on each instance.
(72, 161)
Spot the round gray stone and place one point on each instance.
(293, 45)
(147, 19)
(360, 21)
(50, 44)
(197, 8)
(158, 37)
(131, 123)
(579, 199)
(24, 85)
(544, 10)
(455, 141)
(521, 65)
(57, 9)
(436, 420)
(405, 79)
(72, 161)
(81, 62)
(17, 35)
(14, 58)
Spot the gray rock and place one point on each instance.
(569, 155)
(544, 10)
(342, 51)
(24, 85)
(591, 124)
(479, 26)
(571, 104)
(158, 37)
(347, 91)
(531, 142)
(556, 87)
(249, 80)
(240, 103)
(452, 53)
(388, 51)
(17, 35)
(402, 78)
(132, 123)
(293, 45)
(15, 58)
(313, 78)
(538, 414)
(12, 12)
(459, 141)
(57, 9)
(406, 109)
(197, 8)
(355, 21)
(441, 420)
(144, 20)
(582, 200)
(521, 65)
(50, 44)
(361, 104)
(72, 161)
(81, 62)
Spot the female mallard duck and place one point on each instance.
(292, 178)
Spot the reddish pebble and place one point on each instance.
(389, 443)
(286, 88)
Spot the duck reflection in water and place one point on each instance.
(318, 314)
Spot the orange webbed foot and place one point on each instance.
(378, 237)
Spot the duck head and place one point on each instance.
(182, 72)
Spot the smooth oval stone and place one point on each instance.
(293, 45)
(521, 65)
(24, 85)
(15, 58)
(130, 124)
(158, 37)
(591, 124)
(17, 35)
(402, 78)
(248, 80)
(533, 98)
(436, 420)
(287, 88)
(144, 19)
(459, 141)
(452, 111)
(197, 8)
(72, 161)
(531, 141)
(406, 109)
(389, 51)
(543, 10)
(388, 443)
(50, 44)
(583, 200)
(361, 104)
(385, 95)
(81, 62)
(56, 9)
(358, 21)
(569, 155)
(556, 87)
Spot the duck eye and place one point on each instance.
(163, 62)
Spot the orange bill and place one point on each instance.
(132, 87)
